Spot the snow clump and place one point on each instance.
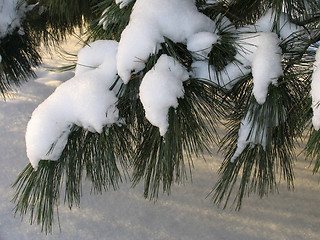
(266, 65)
(315, 92)
(249, 134)
(258, 53)
(123, 3)
(84, 100)
(200, 44)
(12, 13)
(285, 27)
(160, 89)
(175, 19)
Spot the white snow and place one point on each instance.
(285, 27)
(248, 133)
(84, 100)
(259, 53)
(160, 89)
(175, 19)
(315, 91)
(12, 12)
(266, 65)
(123, 3)
(200, 44)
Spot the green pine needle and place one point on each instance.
(100, 157)
(161, 161)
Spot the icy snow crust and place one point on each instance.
(84, 100)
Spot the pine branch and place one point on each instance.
(17, 62)
(101, 156)
(110, 22)
(192, 130)
(53, 20)
(280, 119)
(136, 145)
(312, 150)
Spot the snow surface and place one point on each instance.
(124, 214)
(160, 89)
(315, 91)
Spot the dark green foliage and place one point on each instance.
(115, 20)
(52, 20)
(19, 54)
(312, 150)
(178, 51)
(49, 22)
(281, 119)
(192, 130)
(38, 192)
(223, 52)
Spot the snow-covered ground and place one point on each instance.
(125, 214)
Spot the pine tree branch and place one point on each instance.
(101, 157)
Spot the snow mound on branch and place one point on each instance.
(249, 134)
(123, 3)
(94, 55)
(284, 26)
(258, 53)
(200, 44)
(266, 65)
(11, 15)
(84, 100)
(315, 92)
(160, 89)
(150, 22)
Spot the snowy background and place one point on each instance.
(125, 214)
